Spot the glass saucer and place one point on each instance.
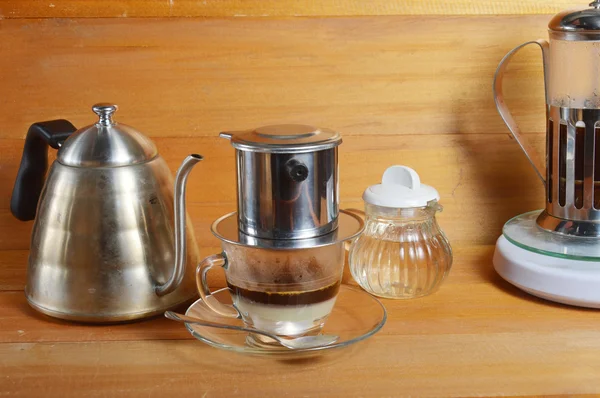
(355, 316)
(524, 232)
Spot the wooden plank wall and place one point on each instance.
(406, 82)
(272, 8)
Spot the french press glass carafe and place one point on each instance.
(572, 79)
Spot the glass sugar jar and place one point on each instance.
(402, 252)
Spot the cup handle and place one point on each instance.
(216, 260)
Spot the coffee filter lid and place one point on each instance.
(400, 188)
(284, 138)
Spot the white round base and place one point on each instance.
(573, 282)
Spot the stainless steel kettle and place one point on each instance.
(106, 245)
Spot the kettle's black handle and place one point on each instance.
(34, 164)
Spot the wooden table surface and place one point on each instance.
(477, 335)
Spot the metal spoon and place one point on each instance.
(296, 343)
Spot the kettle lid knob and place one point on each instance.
(106, 143)
(104, 111)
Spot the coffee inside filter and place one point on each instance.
(285, 270)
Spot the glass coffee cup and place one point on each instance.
(288, 292)
(284, 286)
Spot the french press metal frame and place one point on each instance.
(572, 173)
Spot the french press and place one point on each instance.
(555, 253)
(572, 81)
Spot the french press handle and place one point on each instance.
(34, 164)
(505, 113)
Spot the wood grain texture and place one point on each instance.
(193, 77)
(13, 266)
(483, 180)
(476, 336)
(271, 8)
(473, 300)
(443, 365)
(22, 323)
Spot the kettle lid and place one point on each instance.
(581, 21)
(106, 143)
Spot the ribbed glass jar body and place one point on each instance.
(402, 253)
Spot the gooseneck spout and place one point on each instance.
(180, 218)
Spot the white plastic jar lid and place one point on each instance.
(400, 188)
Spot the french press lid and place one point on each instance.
(106, 143)
(284, 138)
(578, 24)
